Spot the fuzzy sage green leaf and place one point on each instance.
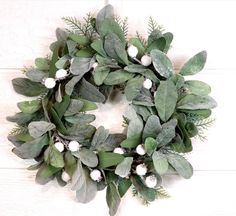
(165, 99)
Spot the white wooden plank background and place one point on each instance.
(27, 28)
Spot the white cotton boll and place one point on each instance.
(151, 181)
(59, 146)
(132, 51)
(141, 169)
(94, 65)
(73, 146)
(119, 150)
(65, 176)
(147, 84)
(146, 60)
(140, 150)
(61, 73)
(49, 83)
(96, 175)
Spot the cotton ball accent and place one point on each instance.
(146, 60)
(140, 150)
(61, 74)
(59, 146)
(96, 175)
(147, 84)
(49, 83)
(73, 146)
(151, 181)
(141, 169)
(119, 150)
(94, 65)
(65, 176)
(132, 51)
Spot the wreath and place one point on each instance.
(88, 62)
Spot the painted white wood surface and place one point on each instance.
(27, 28)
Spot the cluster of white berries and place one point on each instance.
(72, 146)
(145, 61)
(51, 82)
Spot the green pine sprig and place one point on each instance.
(153, 25)
(123, 23)
(85, 28)
(18, 130)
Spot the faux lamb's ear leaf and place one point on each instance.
(36, 75)
(63, 62)
(97, 45)
(42, 64)
(178, 80)
(144, 71)
(115, 48)
(90, 92)
(148, 194)
(191, 129)
(80, 118)
(106, 13)
(167, 133)
(53, 157)
(81, 66)
(152, 127)
(123, 186)
(78, 177)
(79, 39)
(133, 87)
(169, 37)
(38, 128)
(162, 63)
(88, 157)
(198, 87)
(88, 191)
(160, 163)
(165, 99)
(194, 64)
(27, 88)
(158, 44)
(69, 87)
(100, 74)
(112, 198)
(110, 25)
(134, 131)
(194, 102)
(99, 137)
(88, 105)
(46, 173)
(29, 106)
(74, 107)
(123, 168)
(62, 107)
(117, 77)
(112, 141)
(31, 149)
(150, 145)
(70, 163)
(61, 34)
(181, 165)
(108, 159)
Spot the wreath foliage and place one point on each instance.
(89, 61)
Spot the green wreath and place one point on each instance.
(88, 62)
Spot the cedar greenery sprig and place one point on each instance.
(90, 62)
